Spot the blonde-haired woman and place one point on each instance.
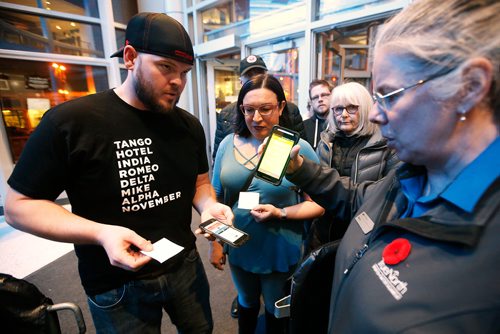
(354, 147)
(350, 105)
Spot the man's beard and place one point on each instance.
(321, 113)
(145, 94)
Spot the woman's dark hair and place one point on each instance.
(260, 81)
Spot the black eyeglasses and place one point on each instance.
(387, 101)
(350, 108)
(322, 95)
(264, 110)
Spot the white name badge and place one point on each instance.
(365, 222)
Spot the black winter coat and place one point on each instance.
(370, 162)
(447, 284)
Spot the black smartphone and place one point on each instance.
(224, 232)
(276, 156)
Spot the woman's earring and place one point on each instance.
(462, 112)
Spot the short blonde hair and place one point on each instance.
(357, 94)
(439, 36)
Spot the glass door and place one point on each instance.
(345, 52)
(282, 61)
(334, 63)
(223, 86)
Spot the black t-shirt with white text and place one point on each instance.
(119, 166)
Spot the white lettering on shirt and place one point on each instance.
(137, 175)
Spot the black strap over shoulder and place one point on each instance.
(230, 200)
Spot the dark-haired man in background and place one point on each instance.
(319, 96)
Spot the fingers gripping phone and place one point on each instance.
(276, 156)
(224, 232)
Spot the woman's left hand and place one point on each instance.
(216, 255)
(265, 212)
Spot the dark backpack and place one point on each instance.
(311, 289)
(24, 309)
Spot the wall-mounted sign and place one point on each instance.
(4, 84)
(36, 82)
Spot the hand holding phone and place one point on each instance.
(296, 160)
(228, 234)
(276, 156)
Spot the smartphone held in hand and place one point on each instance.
(228, 234)
(276, 156)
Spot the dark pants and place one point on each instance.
(137, 306)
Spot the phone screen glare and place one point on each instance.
(224, 231)
(276, 155)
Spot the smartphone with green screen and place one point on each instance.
(276, 156)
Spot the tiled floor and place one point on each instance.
(22, 253)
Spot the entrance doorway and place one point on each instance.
(223, 86)
(285, 60)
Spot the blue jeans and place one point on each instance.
(136, 307)
(250, 286)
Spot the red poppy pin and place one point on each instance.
(396, 251)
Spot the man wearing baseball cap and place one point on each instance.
(249, 63)
(250, 66)
(133, 165)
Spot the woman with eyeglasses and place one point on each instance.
(354, 147)
(262, 265)
(421, 254)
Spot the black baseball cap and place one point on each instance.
(158, 34)
(252, 61)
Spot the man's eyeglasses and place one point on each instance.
(322, 95)
(350, 108)
(263, 110)
(387, 101)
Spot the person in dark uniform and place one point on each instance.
(414, 233)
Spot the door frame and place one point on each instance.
(211, 66)
(304, 61)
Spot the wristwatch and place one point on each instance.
(283, 213)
